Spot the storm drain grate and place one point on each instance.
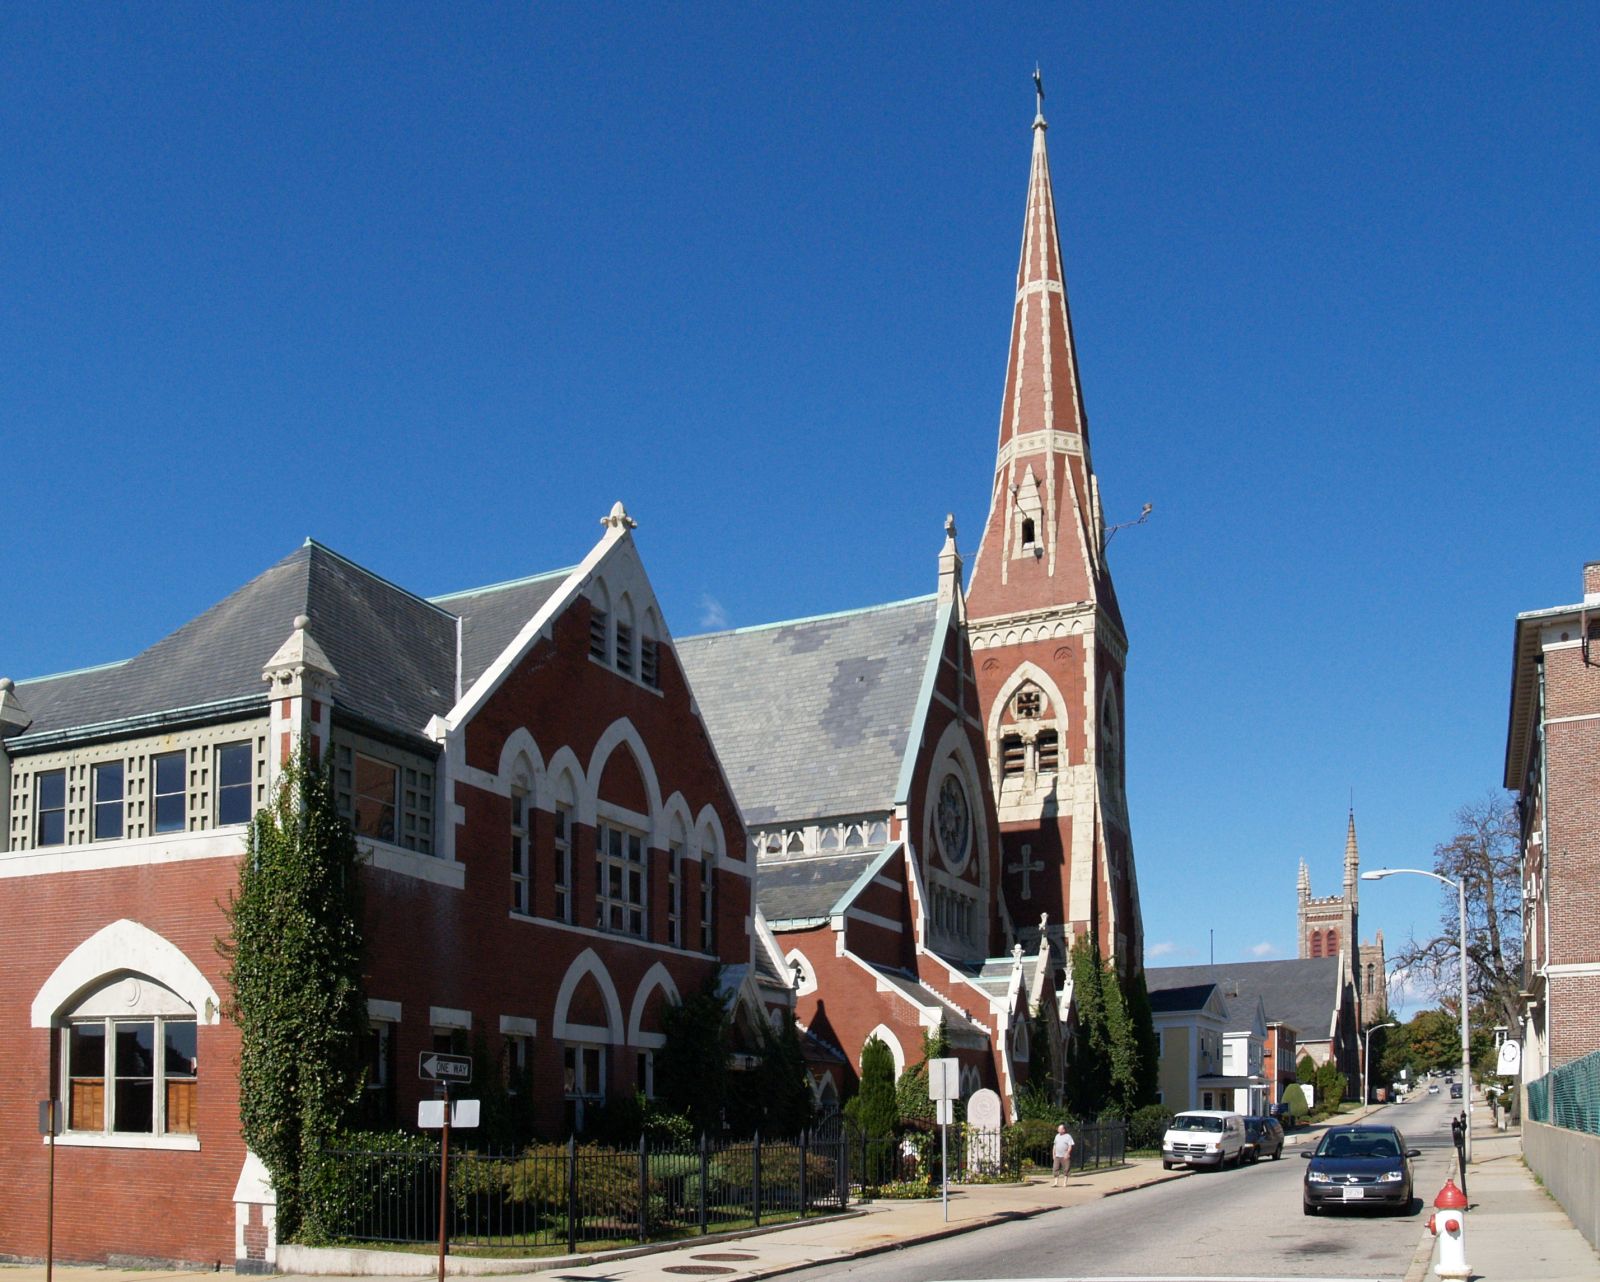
(697, 1268)
(723, 1255)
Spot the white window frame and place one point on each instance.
(156, 794)
(120, 801)
(521, 852)
(562, 872)
(619, 911)
(158, 1135)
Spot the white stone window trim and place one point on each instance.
(380, 1011)
(449, 1017)
(125, 945)
(518, 1026)
(656, 977)
(95, 1139)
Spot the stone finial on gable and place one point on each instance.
(300, 666)
(949, 563)
(13, 716)
(618, 519)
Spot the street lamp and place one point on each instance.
(1378, 874)
(1366, 1063)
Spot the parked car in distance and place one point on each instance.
(1203, 1137)
(1283, 1115)
(1263, 1137)
(1434, 1089)
(1359, 1166)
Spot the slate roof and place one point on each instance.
(913, 988)
(809, 888)
(811, 717)
(395, 652)
(1178, 998)
(1300, 992)
(492, 617)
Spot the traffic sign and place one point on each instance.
(464, 1114)
(944, 1079)
(432, 1066)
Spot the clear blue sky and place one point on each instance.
(437, 285)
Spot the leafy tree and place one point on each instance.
(1122, 1043)
(1306, 1070)
(1143, 1021)
(1485, 855)
(873, 1109)
(294, 950)
(911, 1090)
(1331, 1084)
(773, 1098)
(691, 1070)
(1089, 1056)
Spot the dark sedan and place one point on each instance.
(1359, 1166)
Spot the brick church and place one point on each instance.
(886, 820)
(1329, 926)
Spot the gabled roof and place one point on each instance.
(1303, 993)
(394, 651)
(811, 888)
(811, 717)
(1188, 997)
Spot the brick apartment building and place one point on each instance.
(553, 854)
(1553, 762)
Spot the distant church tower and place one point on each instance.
(1330, 926)
(1047, 636)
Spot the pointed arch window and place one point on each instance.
(130, 1061)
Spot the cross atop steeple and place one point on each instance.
(1038, 91)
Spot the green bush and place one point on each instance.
(1148, 1125)
(338, 1185)
(1295, 1098)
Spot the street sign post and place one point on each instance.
(944, 1088)
(50, 1124)
(446, 1070)
(464, 1114)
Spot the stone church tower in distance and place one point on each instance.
(1047, 635)
(1330, 926)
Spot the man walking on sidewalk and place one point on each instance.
(1061, 1152)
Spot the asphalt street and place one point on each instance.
(1243, 1223)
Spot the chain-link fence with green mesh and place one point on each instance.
(1568, 1096)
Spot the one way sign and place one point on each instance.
(434, 1067)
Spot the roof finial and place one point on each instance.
(1038, 90)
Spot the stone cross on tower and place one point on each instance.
(1027, 866)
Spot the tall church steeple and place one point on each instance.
(1046, 632)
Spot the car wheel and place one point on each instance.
(1166, 1166)
(1309, 1209)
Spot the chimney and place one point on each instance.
(1591, 583)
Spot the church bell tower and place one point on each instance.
(1047, 635)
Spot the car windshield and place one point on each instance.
(1183, 1122)
(1359, 1146)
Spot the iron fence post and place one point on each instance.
(572, 1195)
(644, 1194)
(705, 1173)
(803, 1174)
(755, 1178)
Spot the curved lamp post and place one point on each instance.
(1460, 887)
(1366, 1063)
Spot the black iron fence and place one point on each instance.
(571, 1196)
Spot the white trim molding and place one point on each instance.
(125, 945)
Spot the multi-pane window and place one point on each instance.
(417, 813)
(234, 768)
(107, 782)
(377, 788)
(519, 852)
(377, 1051)
(645, 1074)
(563, 864)
(519, 1064)
(675, 894)
(131, 1076)
(168, 797)
(620, 880)
(650, 662)
(597, 635)
(624, 648)
(50, 808)
(708, 903)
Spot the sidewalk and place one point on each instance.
(873, 1227)
(1516, 1232)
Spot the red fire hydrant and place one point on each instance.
(1448, 1223)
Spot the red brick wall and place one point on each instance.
(106, 1198)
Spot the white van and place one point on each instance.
(1204, 1137)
